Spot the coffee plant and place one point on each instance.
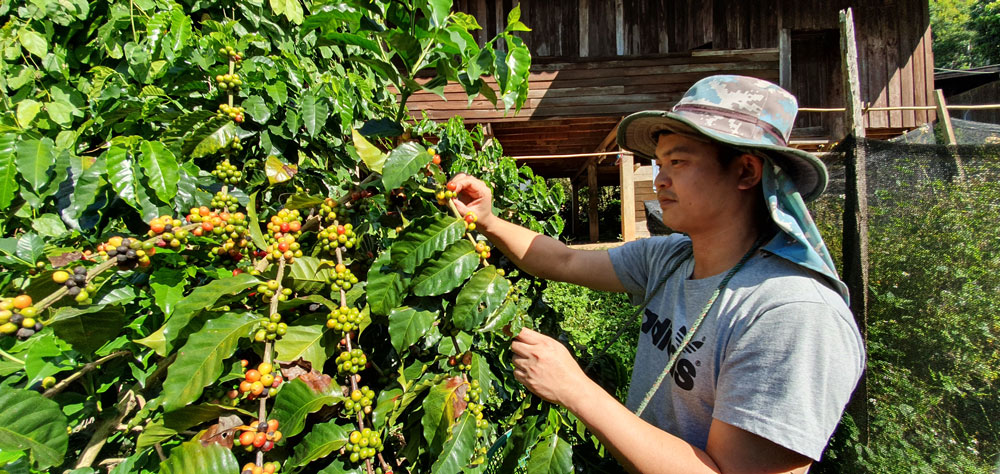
(227, 247)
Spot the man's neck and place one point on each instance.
(719, 249)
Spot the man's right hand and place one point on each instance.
(473, 195)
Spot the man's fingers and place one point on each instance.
(520, 348)
(530, 337)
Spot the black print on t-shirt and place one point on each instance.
(664, 338)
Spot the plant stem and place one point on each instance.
(12, 358)
(59, 387)
(262, 410)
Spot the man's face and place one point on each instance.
(695, 191)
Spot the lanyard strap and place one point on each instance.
(697, 323)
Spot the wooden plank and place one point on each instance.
(628, 198)
(855, 238)
(944, 118)
(619, 28)
(785, 59)
(592, 204)
(928, 63)
(584, 21)
(905, 33)
(919, 55)
(891, 47)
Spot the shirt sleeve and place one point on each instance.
(789, 376)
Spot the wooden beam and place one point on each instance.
(592, 205)
(584, 20)
(855, 238)
(944, 118)
(627, 184)
(609, 139)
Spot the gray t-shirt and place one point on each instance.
(778, 355)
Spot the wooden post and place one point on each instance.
(628, 196)
(592, 188)
(785, 58)
(944, 118)
(855, 238)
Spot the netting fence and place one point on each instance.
(932, 396)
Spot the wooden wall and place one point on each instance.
(894, 38)
(984, 94)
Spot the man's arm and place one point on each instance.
(537, 254)
(546, 368)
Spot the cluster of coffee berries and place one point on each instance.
(336, 236)
(328, 209)
(363, 445)
(233, 112)
(224, 202)
(267, 468)
(260, 434)
(351, 361)
(483, 249)
(341, 278)
(231, 53)
(270, 290)
(234, 231)
(76, 283)
(271, 327)
(344, 319)
(444, 195)
(17, 317)
(170, 232)
(228, 82)
(127, 253)
(462, 362)
(470, 221)
(361, 400)
(472, 396)
(226, 172)
(259, 382)
(435, 157)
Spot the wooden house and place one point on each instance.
(595, 61)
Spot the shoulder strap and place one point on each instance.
(680, 255)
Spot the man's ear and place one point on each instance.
(751, 170)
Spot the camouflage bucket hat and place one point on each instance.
(743, 112)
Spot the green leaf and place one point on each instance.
(199, 362)
(403, 162)
(304, 342)
(88, 328)
(160, 166)
(295, 400)
(386, 286)
(257, 108)
(308, 274)
(192, 457)
(381, 128)
(515, 14)
(339, 466)
(86, 186)
(458, 449)
(253, 224)
(34, 158)
(292, 9)
(8, 168)
(27, 109)
(180, 420)
(210, 137)
(423, 237)
(479, 297)
(448, 271)
(407, 325)
(500, 317)
(552, 455)
(49, 225)
(30, 247)
(439, 11)
(31, 422)
(440, 410)
(278, 171)
(168, 286)
(201, 298)
(322, 439)
(33, 42)
(314, 113)
(373, 157)
(154, 432)
(120, 174)
(303, 201)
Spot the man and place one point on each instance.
(748, 352)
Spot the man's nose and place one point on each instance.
(662, 180)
